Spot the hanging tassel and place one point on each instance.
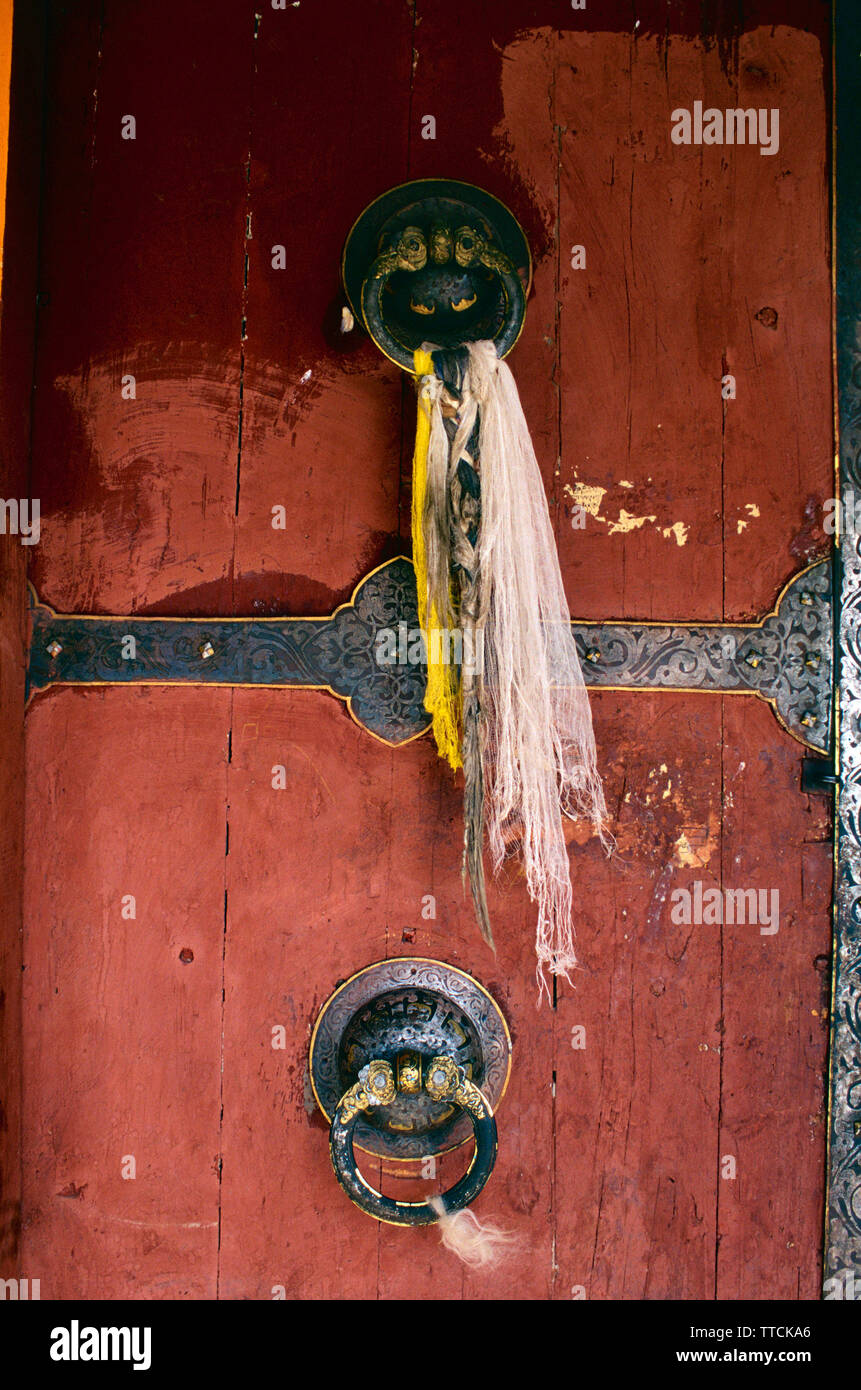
(442, 696)
(520, 726)
(449, 518)
(478, 1245)
(540, 755)
(464, 522)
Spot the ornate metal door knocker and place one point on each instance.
(409, 1058)
(437, 260)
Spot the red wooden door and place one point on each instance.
(149, 1037)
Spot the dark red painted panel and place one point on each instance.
(321, 425)
(638, 1077)
(141, 275)
(778, 460)
(774, 1019)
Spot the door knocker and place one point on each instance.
(441, 260)
(409, 1059)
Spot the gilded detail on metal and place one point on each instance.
(370, 654)
(379, 1082)
(376, 1087)
(352, 1102)
(447, 1081)
(409, 1073)
(442, 1078)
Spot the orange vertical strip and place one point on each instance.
(5, 70)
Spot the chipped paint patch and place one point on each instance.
(627, 522)
(588, 497)
(683, 853)
(678, 529)
(696, 845)
(662, 770)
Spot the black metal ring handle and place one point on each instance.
(410, 254)
(445, 1080)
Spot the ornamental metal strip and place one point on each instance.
(370, 653)
(842, 1263)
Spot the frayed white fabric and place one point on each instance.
(477, 1245)
(539, 747)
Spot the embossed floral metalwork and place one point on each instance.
(785, 659)
(842, 1264)
(447, 1081)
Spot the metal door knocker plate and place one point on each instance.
(394, 1009)
(437, 261)
(408, 1059)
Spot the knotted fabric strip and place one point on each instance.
(490, 565)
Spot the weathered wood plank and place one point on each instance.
(637, 1062)
(122, 1037)
(321, 418)
(141, 267)
(778, 464)
(308, 905)
(774, 1019)
(16, 376)
(141, 275)
(640, 343)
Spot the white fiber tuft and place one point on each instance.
(479, 1246)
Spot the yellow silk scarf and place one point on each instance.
(443, 694)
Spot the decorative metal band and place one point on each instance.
(786, 658)
(842, 1264)
(370, 653)
(338, 653)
